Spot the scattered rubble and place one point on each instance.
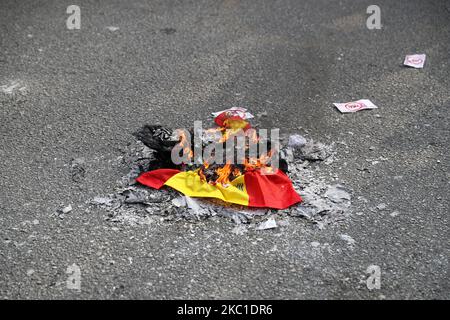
(193, 205)
(268, 224)
(133, 195)
(64, 210)
(60, 213)
(394, 213)
(337, 194)
(239, 229)
(323, 203)
(350, 241)
(314, 151)
(107, 201)
(315, 244)
(179, 201)
(13, 87)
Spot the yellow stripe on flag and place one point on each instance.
(190, 183)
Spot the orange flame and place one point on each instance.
(184, 143)
(223, 174)
(259, 163)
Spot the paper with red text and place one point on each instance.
(355, 106)
(415, 60)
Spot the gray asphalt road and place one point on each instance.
(80, 93)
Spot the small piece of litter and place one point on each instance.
(350, 240)
(355, 106)
(394, 213)
(315, 244)
(315, 151)
(415, 60)
(30, 272)
(67, 209)
(179, 202)
(381, 206)
(135, 195)
(102, 201)
(193, 204)
(111, 28)
(268, 224)
(35, 221)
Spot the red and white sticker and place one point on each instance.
(236, 112)
(355, 106)
(415, 60)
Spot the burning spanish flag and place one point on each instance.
(251, 182)
(252, 188)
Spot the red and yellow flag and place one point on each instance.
(250, 189)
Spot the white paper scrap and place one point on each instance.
(415, 60)
(235, 111)
(268, 224)
(179, 201)
(193, 204)
(355, 106)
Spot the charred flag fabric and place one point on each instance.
(252, 189)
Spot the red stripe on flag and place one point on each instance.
(270, 190)
(156, 178)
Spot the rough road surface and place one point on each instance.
(78, 94)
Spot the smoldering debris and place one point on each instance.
(323, 203)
